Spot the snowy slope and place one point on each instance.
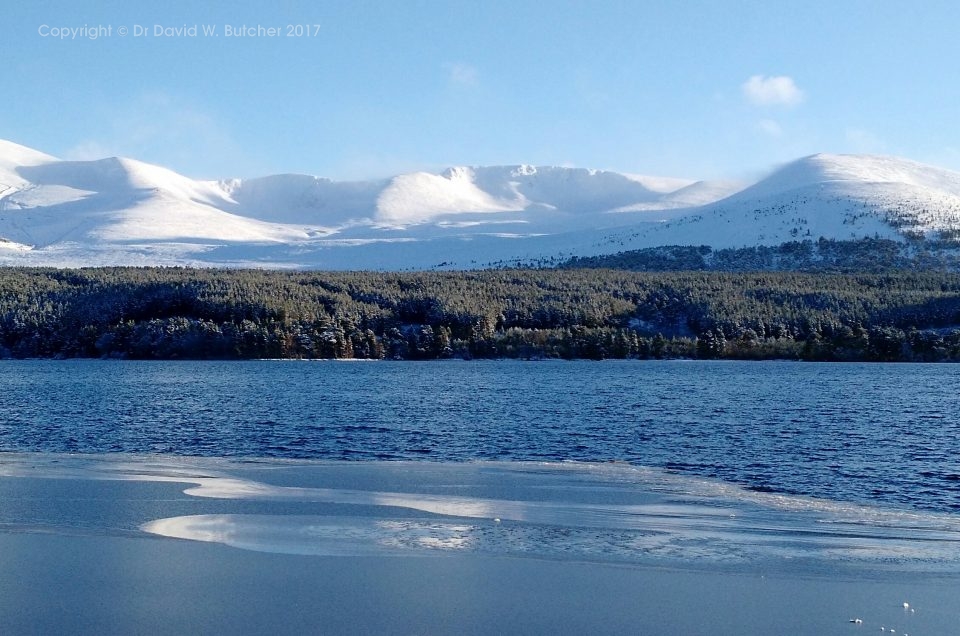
(414, 199)
(303, 199)
(123, 211)
(14, 156)
(832, 196)
(118, 200)
(689, 196)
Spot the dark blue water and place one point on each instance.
(878, 434)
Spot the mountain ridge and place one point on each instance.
(121, 211)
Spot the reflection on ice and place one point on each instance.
(327, 536)
(689, 539)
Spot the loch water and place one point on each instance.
(875, 434)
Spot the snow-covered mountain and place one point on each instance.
(123, 211)
(832, 196)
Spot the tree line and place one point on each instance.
(823, 255)
(167, 313)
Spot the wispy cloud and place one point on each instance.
(770, 127)
(159, 128)
(90, 149)
(864, 141)
(460, 74)
(780, 90)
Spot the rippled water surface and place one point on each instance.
(879, 434)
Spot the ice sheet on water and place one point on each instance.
(594, 512)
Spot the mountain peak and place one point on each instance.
(12, 153)
(853, 170)
(14, 156)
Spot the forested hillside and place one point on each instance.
(860, 255)
(578, 313)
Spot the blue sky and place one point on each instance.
(701, 89)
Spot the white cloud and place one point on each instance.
(772, 91)
(770, 127)
(460, 74)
